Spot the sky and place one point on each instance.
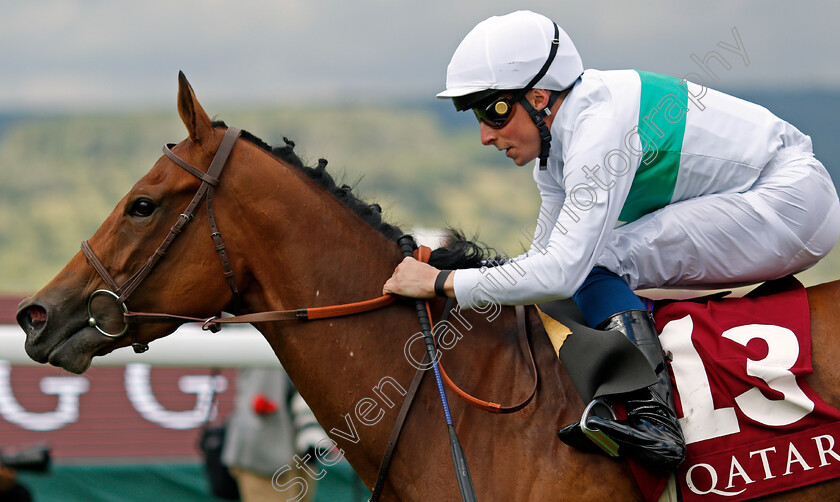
(113, 55)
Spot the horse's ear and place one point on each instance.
(192, 114)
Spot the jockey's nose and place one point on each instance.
(488, 134)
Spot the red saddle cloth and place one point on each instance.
(752, 425)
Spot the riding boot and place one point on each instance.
(651, 433)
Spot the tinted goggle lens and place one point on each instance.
(496, 113)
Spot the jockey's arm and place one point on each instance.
(581, 202)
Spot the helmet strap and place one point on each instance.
(538, 117)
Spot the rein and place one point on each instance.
(304, 314)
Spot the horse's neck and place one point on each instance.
(316, 252)
(304, 246)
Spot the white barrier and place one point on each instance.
(189, 346)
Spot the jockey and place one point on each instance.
(646, 181)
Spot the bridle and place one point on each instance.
(209, 181)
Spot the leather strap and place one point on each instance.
(220, 245)
(97, 265)
(304, 314)
(525, 346)
(205, 177)
(385, 463)
(422, 253)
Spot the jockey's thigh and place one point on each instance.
(784, 223)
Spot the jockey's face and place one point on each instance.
(519, 138)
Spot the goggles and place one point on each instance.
(496, 113)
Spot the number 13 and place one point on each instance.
(702, 420)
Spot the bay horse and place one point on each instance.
(294, 239)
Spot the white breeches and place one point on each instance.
(785, 222)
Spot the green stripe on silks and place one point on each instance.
(662, 112)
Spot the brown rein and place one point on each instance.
(304, 314)
(313, 313)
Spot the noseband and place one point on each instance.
(209, 181)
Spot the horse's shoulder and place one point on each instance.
(827, 290)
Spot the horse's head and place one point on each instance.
(72, 320)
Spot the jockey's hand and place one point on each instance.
(413, 279)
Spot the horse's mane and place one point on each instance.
(458, 251)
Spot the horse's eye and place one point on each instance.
(141, 208)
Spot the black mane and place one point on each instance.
(458, 252)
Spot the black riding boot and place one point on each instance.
(651, 433)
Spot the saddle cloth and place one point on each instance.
(752, 424)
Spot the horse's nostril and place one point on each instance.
(35, 316)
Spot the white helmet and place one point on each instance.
(518, 52)
(507, 52)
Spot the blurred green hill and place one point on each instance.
(61, 176)
(424, 164)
